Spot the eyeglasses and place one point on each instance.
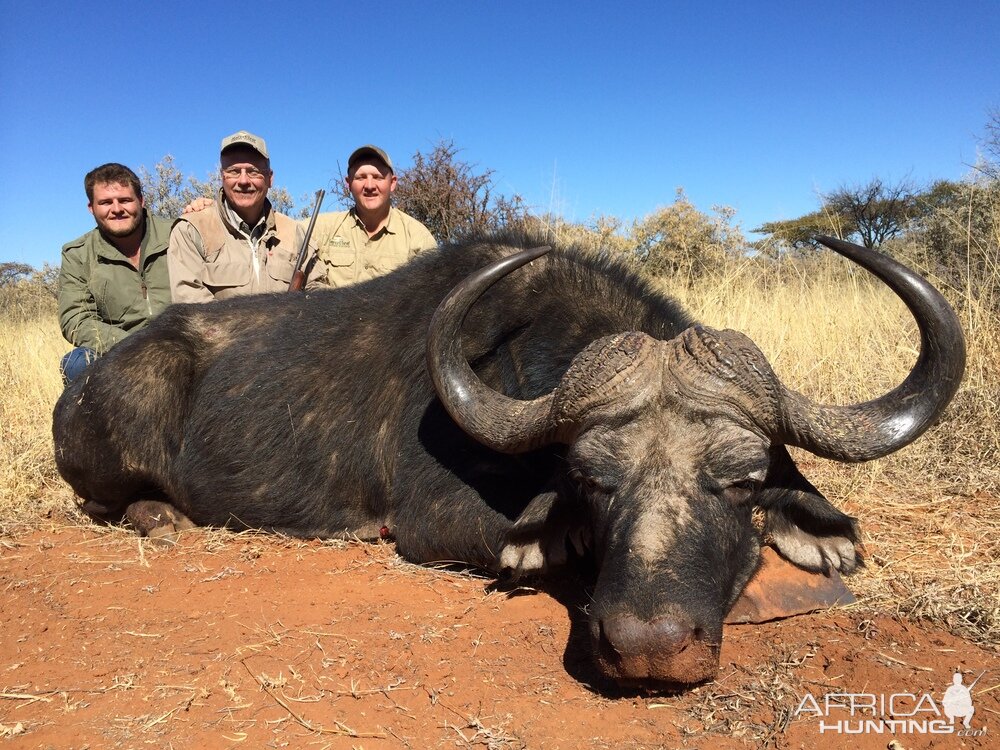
(233, 173)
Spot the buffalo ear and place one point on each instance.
(809, 514)
(789, 495)
(802, 524)
(780, 589)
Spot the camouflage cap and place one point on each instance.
(243, 138)
(369, 151)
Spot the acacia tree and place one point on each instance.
(990, 163)
(28, 292)
(166, 190)
(958, 232)
(12, 272)
(451, 198)
(875, 211)
(870, 213)
(800, 233)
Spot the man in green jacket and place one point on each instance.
(114, 278)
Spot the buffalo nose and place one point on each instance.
(630, 636)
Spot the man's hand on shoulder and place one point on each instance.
(198, 204)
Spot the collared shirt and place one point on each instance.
(251, 234)
(350, 255)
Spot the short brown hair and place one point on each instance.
(111, 173)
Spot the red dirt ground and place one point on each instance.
(229, 641)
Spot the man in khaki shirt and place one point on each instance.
(372, 238)
(241, 245)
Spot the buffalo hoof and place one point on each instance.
(519, 559)
(157, 520)
(529, 556)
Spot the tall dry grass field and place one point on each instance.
(30, 348)
(929, 515)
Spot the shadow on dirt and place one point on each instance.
(572, 587)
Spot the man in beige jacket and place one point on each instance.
(373, 237)
(241, 245)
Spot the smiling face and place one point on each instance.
(372, 184)
(116, 209)
(246, 178)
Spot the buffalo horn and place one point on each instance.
(876, 428)
(502, 423)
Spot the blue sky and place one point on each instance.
(582, 108)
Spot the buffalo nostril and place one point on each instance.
(630, 636)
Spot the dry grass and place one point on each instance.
(30, 348)
(930, 514)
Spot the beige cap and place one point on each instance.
(243, 138)
(369, 151)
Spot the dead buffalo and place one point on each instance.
(566, 401)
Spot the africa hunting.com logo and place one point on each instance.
(895, 713)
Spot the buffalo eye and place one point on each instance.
(589, 482)
(740, 492)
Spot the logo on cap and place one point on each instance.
(243, 138)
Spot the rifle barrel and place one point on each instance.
(298, 281)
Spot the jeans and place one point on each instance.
(75, 362)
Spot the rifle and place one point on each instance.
(298, 282)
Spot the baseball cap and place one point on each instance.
(369, 151)
(243, 138)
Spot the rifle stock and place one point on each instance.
(298, 282)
